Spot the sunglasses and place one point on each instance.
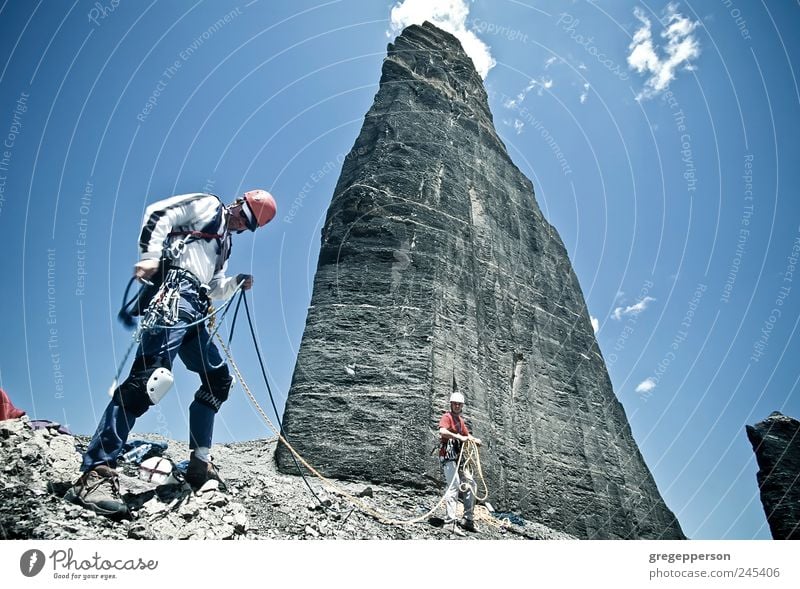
(249, 223)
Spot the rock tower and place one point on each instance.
(438, 272)
(776, 443)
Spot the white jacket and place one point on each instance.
(207, 259)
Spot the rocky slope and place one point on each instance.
(37, 467)
(776, 442)
(438, 272)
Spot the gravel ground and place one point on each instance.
(37, 467)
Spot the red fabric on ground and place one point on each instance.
(7, 409)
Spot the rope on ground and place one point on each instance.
(328, 483)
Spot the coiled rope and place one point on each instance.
(474, 458)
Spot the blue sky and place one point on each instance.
(660, 139)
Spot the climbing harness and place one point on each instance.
(158, 320)
(162, 311)
(163, 308)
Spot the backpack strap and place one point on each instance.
(198, 234)
(210, 231)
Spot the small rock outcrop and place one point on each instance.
(776, 442)
(438, 272)
(38, 466)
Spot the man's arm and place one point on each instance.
(222, 287)
(447, 434)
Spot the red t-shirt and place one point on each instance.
(450, 424)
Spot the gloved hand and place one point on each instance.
(145, 269)
(246, 280)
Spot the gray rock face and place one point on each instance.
(776, 442)
(438, 271)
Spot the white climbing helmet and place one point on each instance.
(457, 398)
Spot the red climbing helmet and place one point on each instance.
(259, 207)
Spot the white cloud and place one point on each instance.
(541, 85)
(518, 125)
(681, 47)
(550, 61)
(647, 385)
(449, 15)
(621, 312)
(585, 93)
(595, 323)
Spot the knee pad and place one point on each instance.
(215, 388)
(158, 384)
(143, 388)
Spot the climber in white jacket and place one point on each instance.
(185, 241)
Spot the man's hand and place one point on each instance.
(246, 280)
(145, 269)
(476, 440)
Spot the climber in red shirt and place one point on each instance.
(453, 432)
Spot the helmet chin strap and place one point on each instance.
(240, 202)
(234, 204)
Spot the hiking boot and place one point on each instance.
(199, 472)
(458, 531)
(452, 525)
(98, 490)
(468, 525)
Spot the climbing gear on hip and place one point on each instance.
(163, 307)
(127, 317)
(162, 311)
